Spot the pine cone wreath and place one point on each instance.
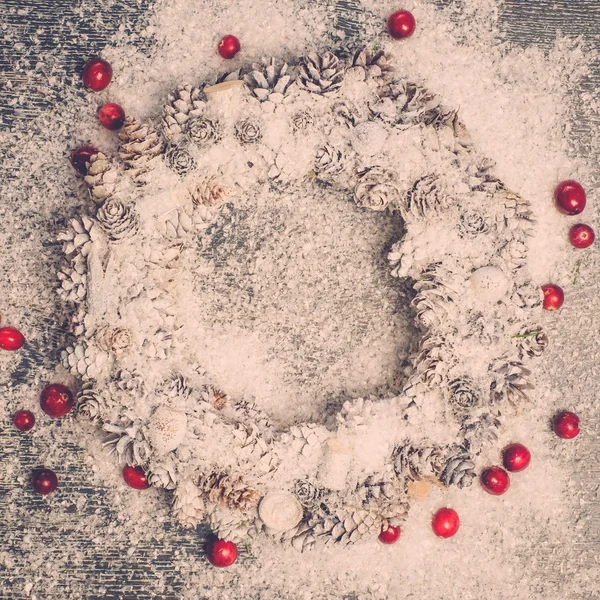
(509, 383)
(418, 462)
(101, 178)
(480, 431)
(183, 104)
(459, 468)
(531, 342)
(321, 74)
(188, 507)
(229, 490)
(139, 144)
(270, 81)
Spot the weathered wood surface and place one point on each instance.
(105, 570)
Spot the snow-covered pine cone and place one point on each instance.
(246, 411)
(345, 525)
(73, 279)
(302, 120)
(85, 360)
(183, 104)
(113, 339)
(513, 254)
(91, 403)
(248, 130)
(404, 103)
(435, 302)
(308, 494)
(139, 144)
(472, 223)
(459, 469)
(426, 197)
(173, 386)
(229, 490)
(163, 476)
(233, 525)
(480, 431)
(178, 224)
(101, 178)
(531, 342)
(526, 294)
(188, 506)
(305, 439)
(329, 161)
(179, 159)
(376, 188)
(203, 131)
(375, 64)
(385, 495)
(270, 81)
(251, 448)
(418, 462)
(463, 395)
(209, 192)
(509, 381)
(119, 221)
(126, 441)
(128, 382)
(434, 360)
(517, 215)
(321, 74)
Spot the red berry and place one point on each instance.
(56, 400)
(222, 553)
(401, 24)
(581, 236)
(553, 296)
(390, 535)
(569, 197)
(566, 425)
(445, 522)
(111, 116)
(24, 420)
(516, 457)
(229, 46)
(495, 481)
(44, 481)
(11, 338)
(81, 156)
(96, 74)
(135, 477)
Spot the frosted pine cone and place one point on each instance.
(84, 360)
(321, 74)
(307, 493)
(371, 63)
(329, 161)
(127, 382)
(209, 192)
(174, 386)
(531, 342)
(139, 144)
(248, 131)
(229, 490)
(517, 213)
(345, 525)
(480, 431)
(76, 239)
(73, 279)
(183, 104)
(463, 395)
(178, 224)
(427, 196)
(90, 402)
(232, 525)
(163, 476)
(306, 439)
(302, 120)
(386, 496)
(203, 132)
(434, 360)
(127, 443)
(510, 383)
(416, 462)
(113, 339)
(459, 469)
(179, 159)
(270, 81)
(376, 188)
(472, 224)
(188, 507)
(251, 448)
(101, 178)
(526, 294)
(118, 220)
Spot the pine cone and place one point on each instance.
(307, 493)
(306, 439)
(480, 431)
(163, 476)
(73, 280)
(248, 131)
(232, 525)
(184, 104)
(321, 74)
(384, 495)
(270, 81)
(513, 254)
(526, 294)
(101, 178)
(127, 443)
(509, 381)
(209, 192)
(302, 120)
(416, 463)
(251, 448)
(517, 215)
(434, 360)
(459, 469)
(174, 386)
(139, 144)
(463, 395)
(427, 196)
(301, 537)
(113, 339)
(204, 132)
(376, 188)
(179, 224)
(472, 224)
(531, 342)
(188, 507)
(372, 64)
(90, 402)
(118, 220)
(228, 490)
(84, 360)
(345, 525)
(76, 240)
(179, 159)
(129, 382)
(329, 161)
(405, 103)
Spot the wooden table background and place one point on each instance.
(26, 520)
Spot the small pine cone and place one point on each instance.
(415, 462)
(101, 178)
(346, 525)
(372, 64)
(463, 395)
(113, 339)
(119, 221)
(215, 397)
(184, 103)
(203, 132)
(188, 507)
(139, 144)
(127, 443)
(174, 386)
(209, 192)
(509, 381)
(301, 537)
(321, 74)
(306, 439)
(329, 161)
(248, 131)
(472, 224)
(87, 361)
(232, 525)
(302, 120)
(426, 197)
(179, 159)
(228, 490)
(517, 214)
(270, 81)
(459, 469)
(531, 342)
(434, 360)
(480, 431)
(163, 476)
(376, 188)
(307, 493)
(177, 224)
(90, 402)
(129, 382)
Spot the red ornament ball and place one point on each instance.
(553, 296)
(569, 197)
(445, 522)
(56, 400)
(96, 74)
(24, 420)
(222, 553)
(581, 236)
(44, 481)
(515, 457)
(81, 156)
(11, 338)
(135, 477)
(390, 535)
(495, 481)
(566, 425)
(401, 24)
(229, 46)
(111, 116)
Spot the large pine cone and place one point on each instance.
(270, 81)
(459, 469)
(321, 74)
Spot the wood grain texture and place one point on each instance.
(80, 515)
